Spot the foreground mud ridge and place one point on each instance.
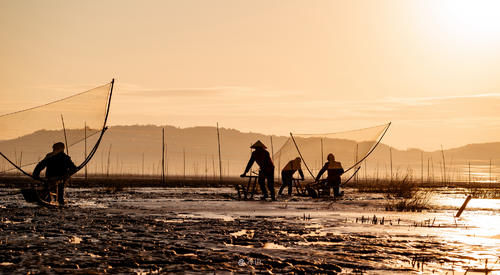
(200, 230)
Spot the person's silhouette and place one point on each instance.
(335, 170)
(287, 174)
(59, 169)
(266, 171)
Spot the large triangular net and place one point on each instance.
(27, 136)
(350, 148)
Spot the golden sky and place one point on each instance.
(430, 67)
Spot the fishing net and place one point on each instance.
(78, 121)
(350, 148)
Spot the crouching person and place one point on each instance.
(59, 168)
(287, 175)
(335, 170)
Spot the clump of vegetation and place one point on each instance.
(403, 194)
(398, 188)
(418, 201)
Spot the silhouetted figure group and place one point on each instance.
(266, 172)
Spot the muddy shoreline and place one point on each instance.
(205, 229)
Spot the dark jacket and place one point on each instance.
(291, 167)
(58, 165)
(334, 169)
(263, 159)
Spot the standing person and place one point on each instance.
(335, 170)
(287, 174)
(59, 169)
(266, 171)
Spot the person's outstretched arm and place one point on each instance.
(71, 166)
(320, 173)
(301, 174)
(249, 165)
(39, 167)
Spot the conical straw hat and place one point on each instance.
(258, 144)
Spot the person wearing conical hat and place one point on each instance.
(266, 168)
(335, 170)
(287, 174)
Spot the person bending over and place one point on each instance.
(266, 168)
(335, 170)
(287, 174)
(59, 168)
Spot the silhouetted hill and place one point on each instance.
(124, 148)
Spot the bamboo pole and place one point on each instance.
(428, 171)
(109, 161)
(462, 208)
(184, 161)
(85, 149)
(356, 161)
(272, 148)
(321, 159)
(390, 158)
(166, 162)
(491, 180)
(162, 155)
(206, 169)
(213, 166)
(143, 164)
(220, 160)
(422, 166)
(469, 173)
(21, 160)
(432, 168)
(65, 137)
(444, 164)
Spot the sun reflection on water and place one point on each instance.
(477, 231)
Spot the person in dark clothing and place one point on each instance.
(266, 171)
(59, 169)
(335, 170)
(287, 174)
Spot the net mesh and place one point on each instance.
(349, 148)
(28, 135)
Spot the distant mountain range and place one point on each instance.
(137, 149)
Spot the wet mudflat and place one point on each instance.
(143, 230)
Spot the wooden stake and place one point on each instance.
(220, 160)
(109, 161)
(463, 206)
(213, 166)
(321, 160)
(428, 171)
(206, 169)
(65, 137)
(422, 166)
(390, 157)
(166, 162)
(491, 179)
(184, 161)
(162, 155)
(469, 172)
(143, 164)
(272, 148)
(85, 149)
(444, 164)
